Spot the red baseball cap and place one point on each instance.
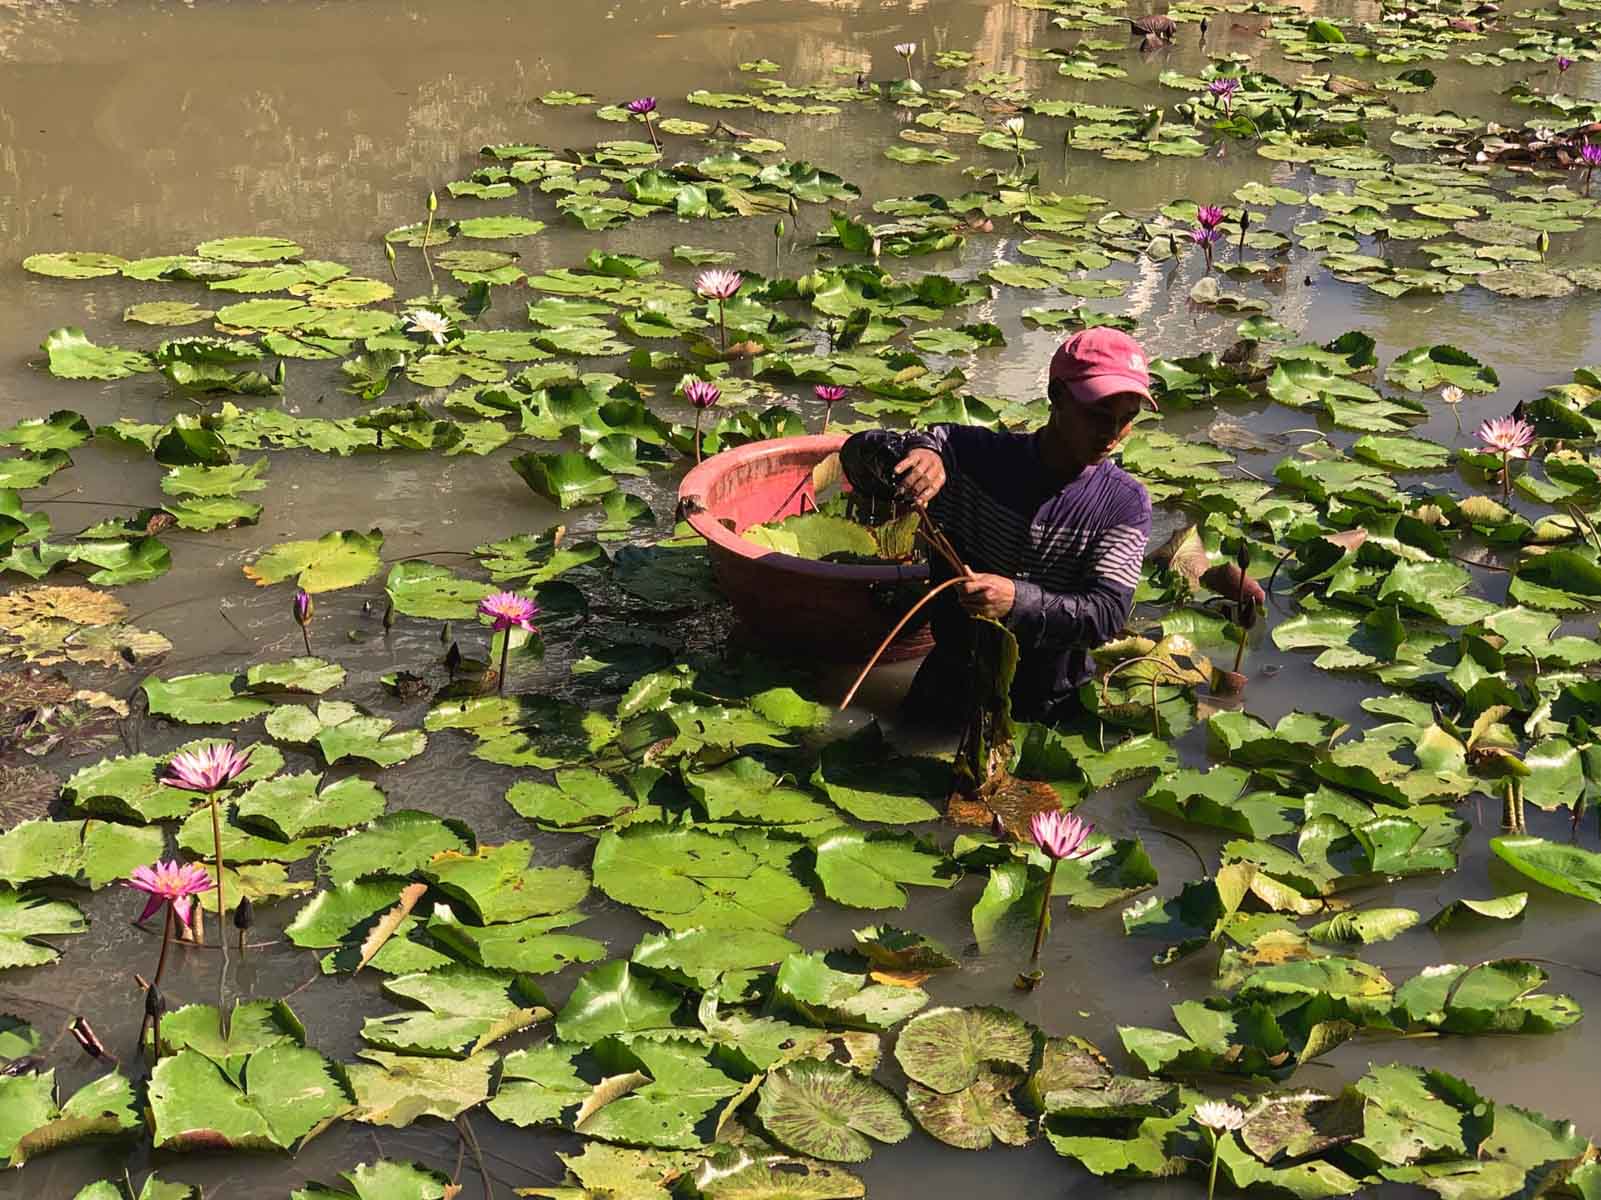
(1101, 362)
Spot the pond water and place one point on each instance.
(140, 128)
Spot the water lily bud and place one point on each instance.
(30, 1064)
(997, 826)
(1245, 219)
(453, 658)
(389, 615)
(1242, 556)
(244, 916)
(389, 252)
(155, 1005)
(778, 228)
(433, 202)
(87, 1038)
(303, 607)
(1247, 617)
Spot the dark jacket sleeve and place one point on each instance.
(868, 458)
(1087, 617)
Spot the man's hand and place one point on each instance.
(921, 474)
(987, 595)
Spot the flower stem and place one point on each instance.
(1211, 1182)
(826, 411)
(166, 940)
(306, 636)
(428, 229)
(1045, 914)
(1506, 475)
(650, 128)
(505, 654)
(698, 414)
(216, 838)
(722, 324)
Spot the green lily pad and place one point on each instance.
(1562, 868)
(335, 560)
(289, 1094)
(74, 356)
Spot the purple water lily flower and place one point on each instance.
(302, 608)
(830, 394)
(206, 769)
(702, 394)
(1510, 437)
(1210, 216)
(170, 883)
(507, 611)
(1061, 836)
(1590, 156)
(1206, 239)
(718, 284)
(1223, 90)
(642, 108)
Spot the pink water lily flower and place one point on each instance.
(1061, 835)
(1223, 90)
(1509, 437)
(205, 770)
(508, 610)
(1210, 216)
(170, 883)
(702, 393)
(645, 104)
(829, 393)
(718, 284)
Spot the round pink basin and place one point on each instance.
(836, 612)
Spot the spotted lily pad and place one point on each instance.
(827, 1111)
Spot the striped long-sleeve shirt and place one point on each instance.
(1073, 550)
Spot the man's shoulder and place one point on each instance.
(979, 440)
(1125, 496)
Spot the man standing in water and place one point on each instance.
(1053, 532)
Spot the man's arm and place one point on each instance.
(1045, 619)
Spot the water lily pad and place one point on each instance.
(1525, 283)
(336, 560)
(341, 730)
(290, 806)
(397, 1089)
(829, 1112)
(975, 1117)
(290, 1093)
(31, 1122)
(947, 1049)
(397, 843)
(1563, 868)
(74, 264)
(464, 1009)
(497, 883)
(868, 870)
(382, 1180)
(73, 356)
(98, 851)
(203, 699)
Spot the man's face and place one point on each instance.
(1090, 432)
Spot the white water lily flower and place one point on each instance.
(429, 323)
(906, 49)
(1014, 126)
(1451, 394)
(1219, 1116)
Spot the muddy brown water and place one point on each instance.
(142, 128)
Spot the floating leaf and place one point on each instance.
(829, 1112)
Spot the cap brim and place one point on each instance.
(1097, 389)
